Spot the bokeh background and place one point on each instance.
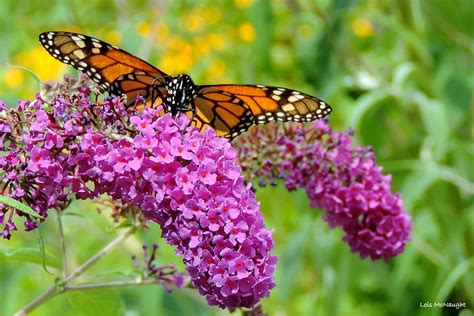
(400, 73)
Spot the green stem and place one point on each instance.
(81, 287)
(52, 291)
(81, 269)
(62, 244)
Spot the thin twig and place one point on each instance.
(89, 286)
(52, 291)
(81, 269)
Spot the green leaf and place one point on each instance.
(402, 73)
(292, 257)
(19, 206)
(32, 255)
(416, 185)
(453, 279)
(434, 118)
(366, 103)
(42, 251)
(95, 302)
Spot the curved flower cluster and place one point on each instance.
(186, 181)
(343, 180)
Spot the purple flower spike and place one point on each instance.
(188, 182)
(343, 180)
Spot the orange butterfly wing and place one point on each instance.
(232, 109)
(100, 61)
(229, 109)
(224, 112)
(143, 83)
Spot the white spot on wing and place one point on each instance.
(292, 98)
(79, 54)
(81, 44)
(288, 107)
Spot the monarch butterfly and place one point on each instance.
(229, 109)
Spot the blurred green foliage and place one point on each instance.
(400, 73)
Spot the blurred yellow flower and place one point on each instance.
(201, 46)
(212, 14)
(13, 77)
(176, 43)
(162, 31)
(217, 69)
(242, 4)
(216, 41)
(40, 62)
(179, 58)
(194, 22)
(143, 29)
(362, 27)
(113, 37)
(247, 32)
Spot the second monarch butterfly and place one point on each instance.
(229, 109)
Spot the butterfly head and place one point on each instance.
(181, 90)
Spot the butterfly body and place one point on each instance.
(229, 109)
(181, 90)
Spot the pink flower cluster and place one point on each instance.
(186, 181)
(190, 183)
(341, 179)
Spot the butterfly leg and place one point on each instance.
(185, 110)
(193, 109)
(155, 93)
(188, 109)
